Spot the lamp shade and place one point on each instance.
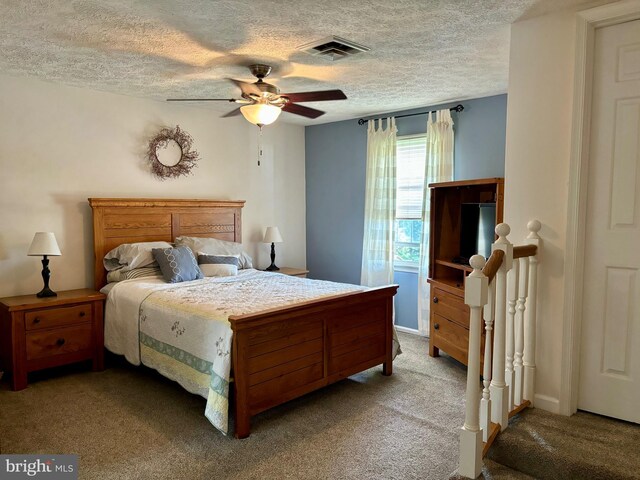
(44, 243)
(272, 235)
(260, 113)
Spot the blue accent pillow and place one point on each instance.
(177, 264)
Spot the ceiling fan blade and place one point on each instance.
(232, 113)
(247, 88)
(319, 96)
(201, 100)
(304, 111)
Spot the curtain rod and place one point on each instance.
(458, 108)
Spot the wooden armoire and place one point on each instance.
(449, 316)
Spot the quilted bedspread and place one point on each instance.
(182, 330)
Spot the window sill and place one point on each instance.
(405, 269)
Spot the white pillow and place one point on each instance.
(132, 255)
(213, 246)
(218, 269)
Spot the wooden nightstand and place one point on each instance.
(294, 272)
(37, 333)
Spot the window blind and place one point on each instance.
(411, 155)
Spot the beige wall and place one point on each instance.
(60, 145)
(539, 123)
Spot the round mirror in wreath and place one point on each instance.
(170, 153)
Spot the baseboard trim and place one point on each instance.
(409, 330)
(547, 403)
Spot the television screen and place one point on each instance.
(477, 224)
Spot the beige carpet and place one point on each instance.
(582, 447)
(129, 422)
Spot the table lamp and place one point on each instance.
(272, 236)
(44, 243)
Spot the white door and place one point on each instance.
(610, 349)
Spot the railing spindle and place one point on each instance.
(475, 296)
(512, 295)
(485, 403)
(523, 283)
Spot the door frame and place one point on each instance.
(587, 22)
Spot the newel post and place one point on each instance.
(475, 296)
(499, 390)
(529, 362)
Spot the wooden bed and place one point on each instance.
(278, 354)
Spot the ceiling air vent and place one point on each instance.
(333, 48)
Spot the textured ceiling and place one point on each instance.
(422, 52)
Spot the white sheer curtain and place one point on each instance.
(380, 204)
(380, 209)
(438, 168)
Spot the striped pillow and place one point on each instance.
(205, 259)
(120, 275)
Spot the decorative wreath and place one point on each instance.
(188, 157)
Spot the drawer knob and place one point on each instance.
(82, 314)
(60, 342)
(435, 299)
(436, 326)
(36, 320)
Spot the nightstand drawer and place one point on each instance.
(450, 306)
(54, 317)
(58, 341)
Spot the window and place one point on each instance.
(411, 152)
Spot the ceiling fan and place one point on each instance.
(263, 101)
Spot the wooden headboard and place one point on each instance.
(129, 220)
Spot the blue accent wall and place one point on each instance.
(335, 163)
(406, 300)
(335, 171)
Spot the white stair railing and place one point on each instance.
(501, 291)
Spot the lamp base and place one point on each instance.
(46, 292)
(272, 267)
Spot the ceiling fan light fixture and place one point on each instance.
(260, 114)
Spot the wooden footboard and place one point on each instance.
(281, 354)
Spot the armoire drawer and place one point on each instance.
(450, 306)
(450, 337)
